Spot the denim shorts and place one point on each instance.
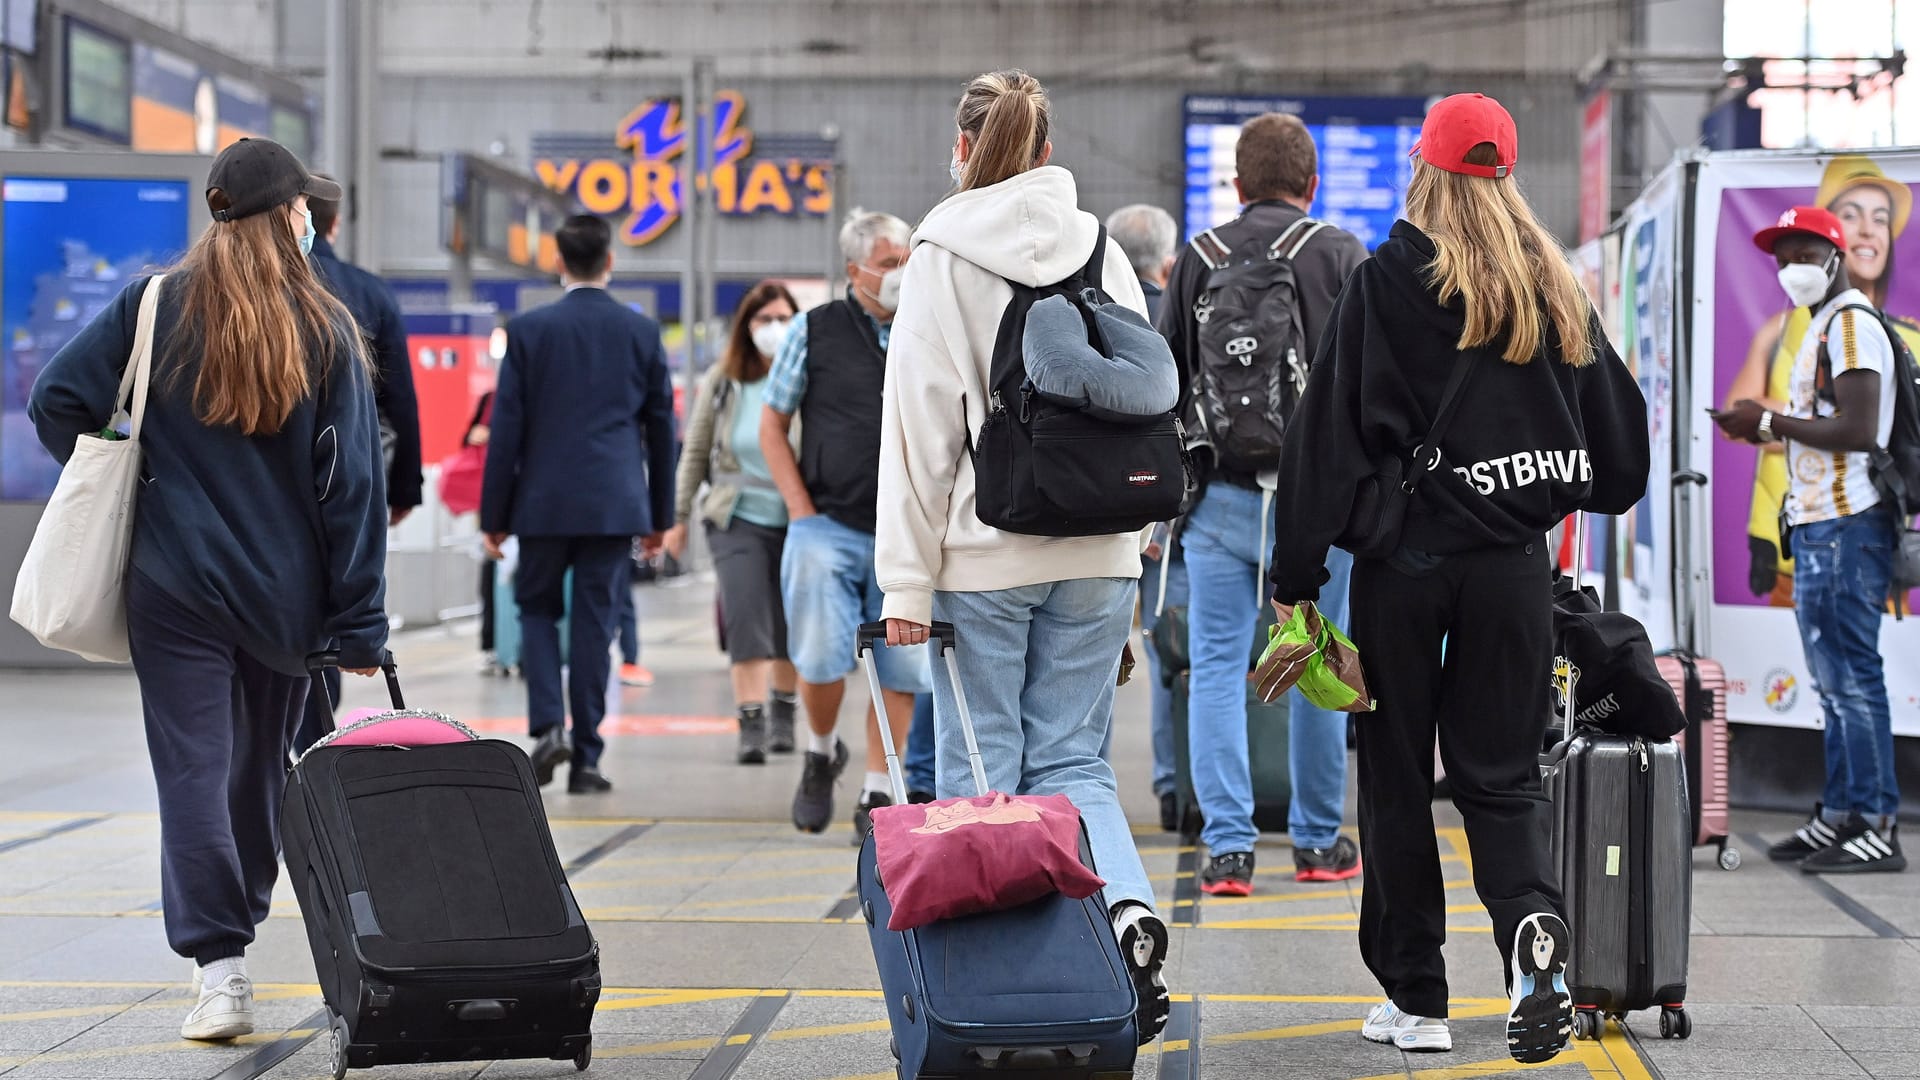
(827, 582)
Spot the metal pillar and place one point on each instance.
(335, 123)
(690, 114)
(366, 157)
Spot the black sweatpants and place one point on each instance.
(1487, 704)
(218, 724)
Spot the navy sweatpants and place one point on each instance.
(601, 565)
(218, 725)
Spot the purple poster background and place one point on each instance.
(1746, 296)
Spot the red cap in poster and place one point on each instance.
(1807, 220)
(1457, 124)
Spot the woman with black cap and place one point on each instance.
(259, 538)
(1470, 299)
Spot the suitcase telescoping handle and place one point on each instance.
(1579, 561)
(321, 661)
(874, 636)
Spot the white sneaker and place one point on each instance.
(1540, 1017)
(1418, 1034)
(223, 1012)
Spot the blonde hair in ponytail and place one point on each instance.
(1504, 266)
(1005, 114)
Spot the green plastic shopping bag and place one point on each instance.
(1309, 652)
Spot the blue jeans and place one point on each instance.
(1842, 569)
(1164, 780)
(1224, 549)
(1039, 664)
(828, 587)
(921, 752)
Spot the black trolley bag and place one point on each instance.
(1623, 839)
(1038, 991)
(441, 922)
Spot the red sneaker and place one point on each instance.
(1228, 875)
(1337, 863)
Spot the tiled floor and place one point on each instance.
(729, 952)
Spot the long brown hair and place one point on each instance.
(1505, 267)
(1006, 115)
(264, 326)
(742, 361)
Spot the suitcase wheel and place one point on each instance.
(1729, 858)
(584, 1058)
(337, 1045)
(1675, 1023)
(1587, 1024)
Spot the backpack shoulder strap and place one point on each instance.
(1212, 250)
(1288, 244)
(1095, 271)
(1823, 357)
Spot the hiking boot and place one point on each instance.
(813, 803)
(224, 1011)
(1143, 945)
(1859, 848)
(1815, 835)
(1417, 1034)
(780, 725)
(1336, 863)
(549, 753)
(588, 781)
(753, 736)
(863, 814)
(1228, 875)
(1540, 1015)
(1169, 812)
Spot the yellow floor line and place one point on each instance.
(259, 994)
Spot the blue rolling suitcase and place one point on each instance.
(1036, 991)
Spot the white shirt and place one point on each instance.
(1827, 484)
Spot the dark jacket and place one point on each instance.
(840, 416)
(280, 540)
(1154, 295)
(1321, 269)
(1530, 444)
(583, 413)
(378, 314)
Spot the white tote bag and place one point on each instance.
(71, 592)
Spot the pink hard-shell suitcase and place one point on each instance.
(1701, 686)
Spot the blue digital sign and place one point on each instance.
(70, 247)
(1363, 143)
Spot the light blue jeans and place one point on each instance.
(1038, 665)
(1164, 780)
(1224, 553)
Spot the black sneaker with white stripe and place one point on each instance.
(1859, 848)
(1815, 835)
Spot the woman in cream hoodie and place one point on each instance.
(1041, 621)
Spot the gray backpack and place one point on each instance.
(1252, 362)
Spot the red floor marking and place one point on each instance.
(622, 725)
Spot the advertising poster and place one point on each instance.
(1746, 336)
(1642, 544)
(243, 109)
(174, 104)
(70, 247)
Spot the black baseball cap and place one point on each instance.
(254, 175)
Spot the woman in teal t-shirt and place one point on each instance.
(745, 517)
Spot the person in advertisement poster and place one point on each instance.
(1873, 209)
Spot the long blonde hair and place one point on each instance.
(263, 324)
(1006, 115)
(1505, 267)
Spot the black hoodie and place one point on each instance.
(1530, 443)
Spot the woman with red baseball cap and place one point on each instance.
(1465, 355)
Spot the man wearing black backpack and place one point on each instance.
(1243, 315)
(1851, 457)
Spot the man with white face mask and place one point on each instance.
(1843, 534)
(830, 373)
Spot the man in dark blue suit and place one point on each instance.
(582, 417)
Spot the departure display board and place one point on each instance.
(1363, 144)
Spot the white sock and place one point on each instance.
(877, 783)
(821, 744)
(219, 971)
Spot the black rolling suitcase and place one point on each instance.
(1623, 838)
(440, 918)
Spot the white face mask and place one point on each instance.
(956, 168)
(769, 336)
(889, 295)
(1806, 284)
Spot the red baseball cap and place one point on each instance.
(1457, 124)
(1808, 220)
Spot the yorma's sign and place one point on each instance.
(642, 175)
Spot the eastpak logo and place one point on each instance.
(1143, 478)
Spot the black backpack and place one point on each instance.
(1251, 366)
(1895, 466)
(1048, 466)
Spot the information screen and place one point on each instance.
(99, 82)
(70, 247)
(1363, 145)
